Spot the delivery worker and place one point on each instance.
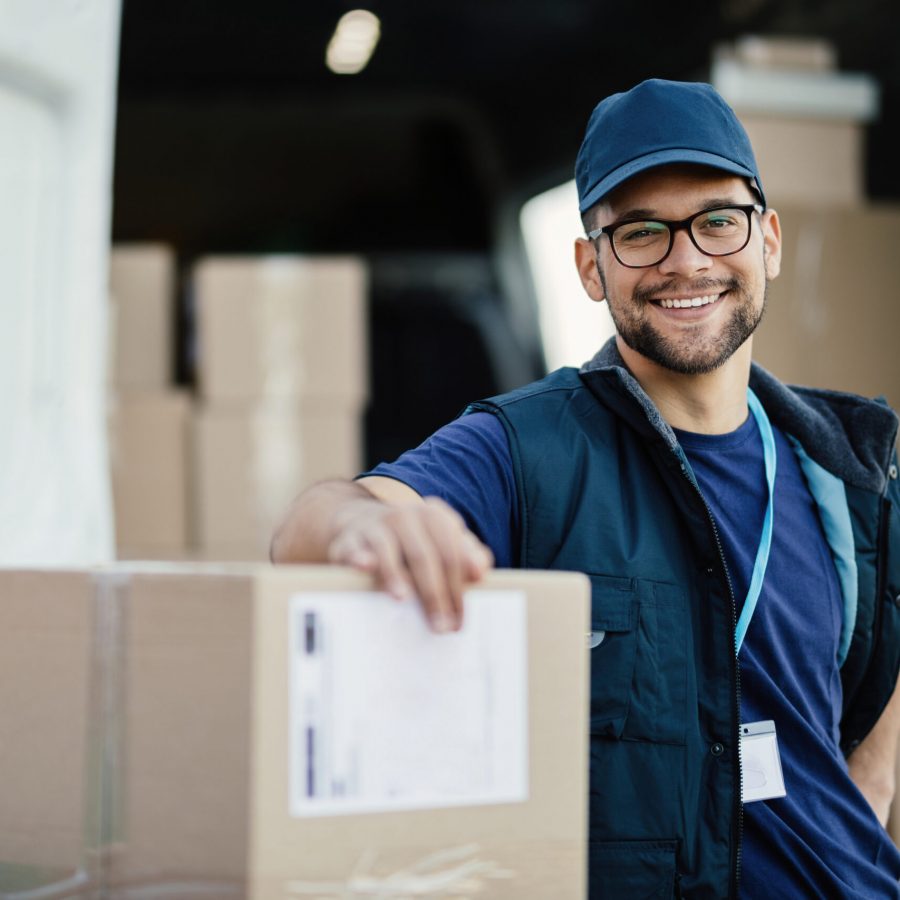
(739, 535)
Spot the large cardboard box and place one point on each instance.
(249, 463)
(281, 326)
(50, 748)
(832, 314)
(145, 714)
(149, 455)
(814, 162)
(203, 791)
(149, 707)
(142, 285)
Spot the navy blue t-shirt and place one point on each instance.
(822, 839)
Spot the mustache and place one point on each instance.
(695, 288)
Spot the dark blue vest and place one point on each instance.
(605, 489)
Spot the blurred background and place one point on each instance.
(332, 227)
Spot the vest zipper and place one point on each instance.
(736, 671)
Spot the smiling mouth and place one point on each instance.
(688, 302)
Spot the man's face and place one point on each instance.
(692, 339)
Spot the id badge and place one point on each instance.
(760, 762)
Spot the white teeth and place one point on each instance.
(689, 301)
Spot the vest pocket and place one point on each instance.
(632, 870)
(614, 617)
(639, 668)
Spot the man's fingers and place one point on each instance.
(423, 548)
(478, 558)
(448, 533)
(391, 570)
(424, 561)
(373, 550)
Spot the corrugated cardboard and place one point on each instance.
(142, 284)
(149, 454)
(540, 843)
(148, 704)
(249, 463)
(203, 785)
(281, 326)
(49, 828)
(181, 790)
(832, 314)
(814, 162)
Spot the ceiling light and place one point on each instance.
(353, 42)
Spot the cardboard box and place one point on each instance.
(814, 162)
(281, 326)
(804, 53)
(250, 463)
(142, 285)
(149, 705)
(149, 434)
(202, 784)
(832, 314)
(49, 750)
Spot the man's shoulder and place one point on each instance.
(564, 380)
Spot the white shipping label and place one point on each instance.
(386, 715)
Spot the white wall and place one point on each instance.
(57, 101)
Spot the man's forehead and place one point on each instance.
(667, 189)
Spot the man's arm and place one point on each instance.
(872, 763)
(413, 545)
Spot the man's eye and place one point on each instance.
(719, 223)
(640, 232)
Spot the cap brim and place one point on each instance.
(662, 158)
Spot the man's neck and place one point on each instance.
(714, 403)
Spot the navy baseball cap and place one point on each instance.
(656, 123)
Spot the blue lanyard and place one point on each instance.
(765, 541)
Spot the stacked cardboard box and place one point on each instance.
(149, 418)
(142, 289)
(805, 119)
(282, 374)
(831, 314)
(145, 749)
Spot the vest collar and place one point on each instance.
(849, 436)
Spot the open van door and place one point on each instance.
(57, 100)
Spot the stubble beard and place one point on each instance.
(694, 353)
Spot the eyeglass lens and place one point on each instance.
(717, 232)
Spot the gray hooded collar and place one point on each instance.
(850, 436)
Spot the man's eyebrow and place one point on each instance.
(710, 203)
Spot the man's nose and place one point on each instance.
(685, 258)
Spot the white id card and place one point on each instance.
(760, 762)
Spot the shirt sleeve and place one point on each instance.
(467, 464)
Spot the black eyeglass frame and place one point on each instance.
(674, 226)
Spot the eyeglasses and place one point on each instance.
(638, 243)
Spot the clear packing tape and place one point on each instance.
(452, 873)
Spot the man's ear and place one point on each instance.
(771, 229)
(586, 263)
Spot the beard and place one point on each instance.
(693, 351)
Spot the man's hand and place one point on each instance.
(413, 546)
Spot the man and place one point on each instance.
(737, 533)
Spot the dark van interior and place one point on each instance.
(234, 137)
